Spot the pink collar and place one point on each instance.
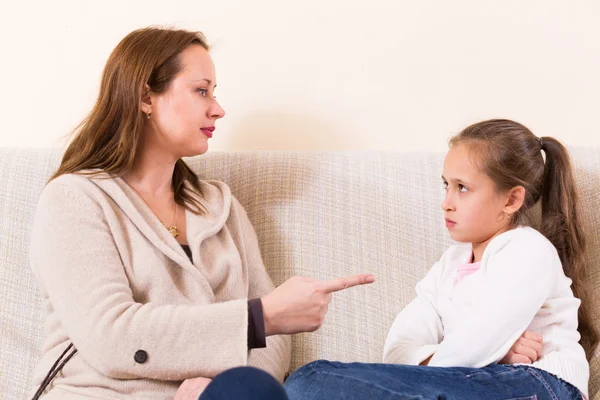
(466, 269)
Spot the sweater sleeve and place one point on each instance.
(417, 330)
(517, 281)
(275, 358)
(76, 260)
(256, 325)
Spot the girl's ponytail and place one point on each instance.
(560, 224)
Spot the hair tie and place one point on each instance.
(541, 143)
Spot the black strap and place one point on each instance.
(54, 370)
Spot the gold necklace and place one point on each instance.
(172, 229)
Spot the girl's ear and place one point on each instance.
(514, 200)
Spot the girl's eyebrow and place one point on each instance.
(461, 181)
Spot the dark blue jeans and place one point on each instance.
(324, 380)
(244, 383)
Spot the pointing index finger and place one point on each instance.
(335, 285)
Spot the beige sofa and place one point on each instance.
(323, 214)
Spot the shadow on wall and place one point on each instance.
(285, 131)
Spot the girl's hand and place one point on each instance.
(526, 350)
(191, 389)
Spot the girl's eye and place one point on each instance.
(446, 185)
(463, 189)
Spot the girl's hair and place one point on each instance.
(511, 155)
(108, 138)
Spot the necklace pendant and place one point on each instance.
(173, 231)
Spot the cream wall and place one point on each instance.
(322, 74)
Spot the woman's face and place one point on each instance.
(183, 117)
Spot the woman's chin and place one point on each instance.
(196, 150)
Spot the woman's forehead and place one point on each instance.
(197, 65)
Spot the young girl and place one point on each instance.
(479, 299)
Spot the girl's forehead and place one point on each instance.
(459, 160)
(459, 165)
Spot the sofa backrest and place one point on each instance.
(320, 214)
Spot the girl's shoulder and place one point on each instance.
(522, 242)
(520, 247)
(521, 239)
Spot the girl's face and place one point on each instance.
(473, 208)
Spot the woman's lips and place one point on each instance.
(208, 131)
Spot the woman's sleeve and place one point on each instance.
(275, 357)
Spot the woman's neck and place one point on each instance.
(152, 173)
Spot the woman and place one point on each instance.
(153, 280)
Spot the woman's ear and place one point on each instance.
(146, 100)
(514, 200)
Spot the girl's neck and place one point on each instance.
(479, 247)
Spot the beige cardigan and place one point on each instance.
(114, 282)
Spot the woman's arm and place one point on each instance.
(275, 357)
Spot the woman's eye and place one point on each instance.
(202, 92)
(445, 185)
(462, 188)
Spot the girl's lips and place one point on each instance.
(450, 223)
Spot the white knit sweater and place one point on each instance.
(520, 286)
